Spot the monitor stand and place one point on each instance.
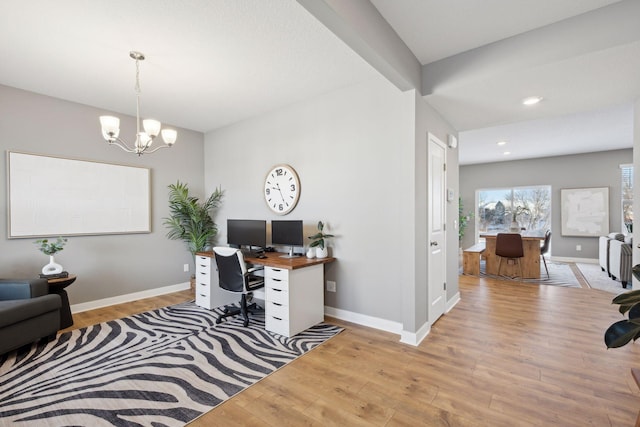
(290, 254)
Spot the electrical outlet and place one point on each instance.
(186, 268)
(331, 286)
(578, 248)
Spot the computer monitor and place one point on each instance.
(287, 233)
(247, 232)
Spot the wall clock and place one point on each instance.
(282, 189)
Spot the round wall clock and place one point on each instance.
(282, 189)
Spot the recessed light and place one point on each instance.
(501, 143)
(532, 100)
(506, 153)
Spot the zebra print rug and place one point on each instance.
(160, 368)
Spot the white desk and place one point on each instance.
(294, 290)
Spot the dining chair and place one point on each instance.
(544, 249)
(509, 246)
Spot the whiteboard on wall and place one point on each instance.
(54, 196)
(585, 211)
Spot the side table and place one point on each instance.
(56, 286)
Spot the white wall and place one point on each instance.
(355, 151)
(346, 149)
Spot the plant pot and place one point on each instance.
(322, 252)
(52, 267)
(311, 253)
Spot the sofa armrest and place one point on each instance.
(22, 289)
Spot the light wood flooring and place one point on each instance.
(509, 354)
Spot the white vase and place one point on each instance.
(311, 253)
(322, 252)
(514, 227)
(52, 267)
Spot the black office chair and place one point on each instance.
(509, 245)
(545, 249)
(235, 277)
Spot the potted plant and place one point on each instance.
(191, 219)
(623, 331)
(463, 220)
(318, 241)
(51, 248)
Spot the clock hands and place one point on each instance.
(280, 191)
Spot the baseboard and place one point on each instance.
(569, 259)
(364, 320)
(105, 302)
(415, 338)
(452, 302)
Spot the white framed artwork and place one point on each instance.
(55, 196)
(585, 211)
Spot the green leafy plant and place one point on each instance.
(318, 238)
(623, 331)
(463, 219)
(190, 219)
(50, 248)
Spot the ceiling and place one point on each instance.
(211, 63)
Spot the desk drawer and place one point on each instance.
(277, 325)
(271, 282)
(277, 310)
(203, 288)
(203, 261)
(203, 277)
(203, 301)
(276, 295)
(281, 274)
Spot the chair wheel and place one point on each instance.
(218, 321)
(246, 323)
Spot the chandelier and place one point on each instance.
(111, 125)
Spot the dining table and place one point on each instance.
(530, 262)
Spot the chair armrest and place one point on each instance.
(254, 269)
(11, 289)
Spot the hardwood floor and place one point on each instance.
(509, 354)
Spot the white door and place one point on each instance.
(436, 154)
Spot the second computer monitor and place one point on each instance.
(287, 233)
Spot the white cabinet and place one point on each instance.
(294, 299)
(208, 292)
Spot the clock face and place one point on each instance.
(282, 189)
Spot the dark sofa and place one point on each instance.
(27, 312)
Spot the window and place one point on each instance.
(529, 207)
(627, 197)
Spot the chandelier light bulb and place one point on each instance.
(532, 100)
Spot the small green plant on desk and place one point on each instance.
(318, 238)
